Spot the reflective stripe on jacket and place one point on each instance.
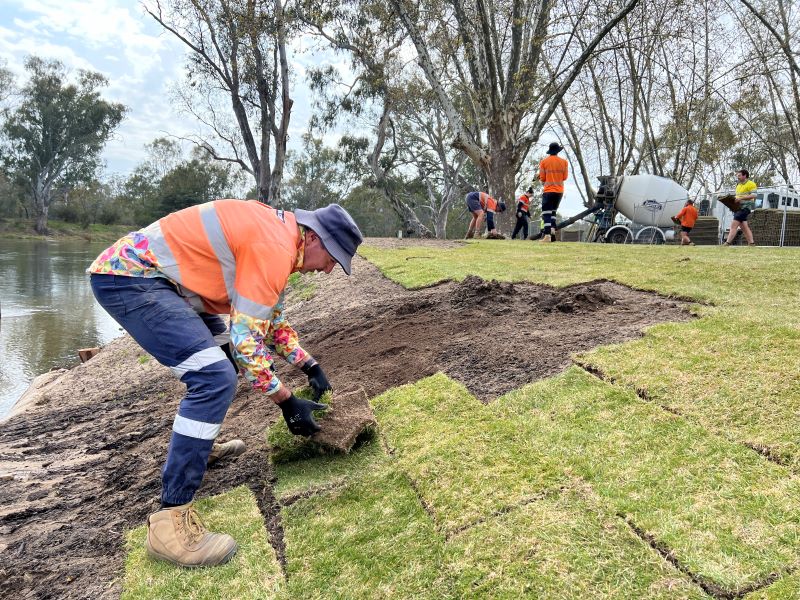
(230, 253)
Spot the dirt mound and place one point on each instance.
(82, 463)
(491, 336)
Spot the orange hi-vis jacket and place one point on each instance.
(687, 216)
(228, 253)
(488, 203)
(553, 172)
(525, 201)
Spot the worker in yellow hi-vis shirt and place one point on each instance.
(746, 197)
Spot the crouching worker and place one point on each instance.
(686, 218)
(480, 203)
(523, 214)
(168, 283)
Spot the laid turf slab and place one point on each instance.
(559, 547)
(740, 386)
(369, 539)
(303, 477)
(786, 588)
(459, 454)
(253, 572)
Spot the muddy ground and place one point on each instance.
(81, 464)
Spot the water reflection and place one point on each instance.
(48, 311)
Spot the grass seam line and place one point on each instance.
(424, 503)
(290, 499)
(764, 451)
(448, 535)
(709, 587)
(268, 505)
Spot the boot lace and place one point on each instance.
(192, 526)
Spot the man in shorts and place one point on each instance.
(480, 203)
(686, 218)
(746, 195)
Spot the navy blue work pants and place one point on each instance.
(550, 202)
(165, 325)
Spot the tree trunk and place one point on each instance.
(41, 217)
(41, 203)
(502, 173)
(440, 223)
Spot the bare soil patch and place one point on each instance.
(82, 462)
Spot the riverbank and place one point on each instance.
(62, 231)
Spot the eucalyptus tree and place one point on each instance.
(318, 176)
(54, 137)
(510, 62)
(237, 55)
(368, 95)
(771, 74)
(6, 83)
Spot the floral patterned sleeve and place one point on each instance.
(250, 339)
(284, 338)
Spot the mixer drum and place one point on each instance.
(650, 199)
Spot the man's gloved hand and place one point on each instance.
(316, 379)
(298, 415)
(519, 214)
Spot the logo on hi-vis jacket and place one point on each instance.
(280, 215)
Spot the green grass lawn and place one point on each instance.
(572, 487)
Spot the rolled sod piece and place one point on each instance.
(730, 201)
(348, 421)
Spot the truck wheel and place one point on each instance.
(619, 234)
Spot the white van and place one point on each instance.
(781, 197)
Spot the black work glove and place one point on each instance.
(298, 415)
(316, 379)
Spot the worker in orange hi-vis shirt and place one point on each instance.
(480, 203)
(523, 214)
(168, 284)
(686, 218)
(553, 173)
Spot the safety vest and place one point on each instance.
(525, 200)
(553, 172)
(487, 202)
(227, 253)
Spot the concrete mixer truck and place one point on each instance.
(649, 203)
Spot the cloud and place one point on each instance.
(105, 26)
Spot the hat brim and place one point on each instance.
(309, 219)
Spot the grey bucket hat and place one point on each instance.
(336, 229)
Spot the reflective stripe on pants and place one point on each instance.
(164, 324)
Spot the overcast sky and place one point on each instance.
(141, 62)
(117, 38)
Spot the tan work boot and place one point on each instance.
(177, 535)
(226, 450)
(546, 239)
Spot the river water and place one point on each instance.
(47, 311)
